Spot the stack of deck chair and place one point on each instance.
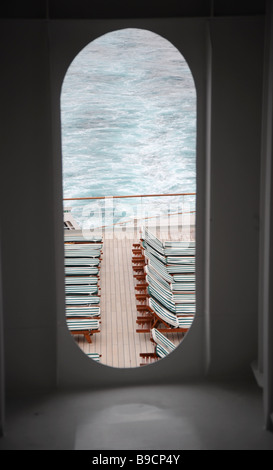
(165, 272)
(162, 347)
(82, 259)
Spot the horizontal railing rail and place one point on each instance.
(87, 211)
(127, 196)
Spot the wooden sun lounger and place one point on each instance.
(186, 282)
(82, 326)
(146, 324)
(81, 280)
(81, 289)
(179, 244)
(181, 306)
(167, 248)
(162, 302)
(83, 246)
(159, 267)
(82, 311)
(83, 254)
(95, 356)
(68, 238)
(185, 265)
(154, 315)
(148, 238)
(81, 261)
(158, 338)
(163, 346)
(159, 353)
(81, 270)
(180, 268)
(82, 299)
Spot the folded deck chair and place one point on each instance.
(186, 251)
(185, 309)
(83, 246)
(179, 244)
(184, 282)
(83, 326)
(184, 286)
(81, 239)
(150, 357)
(174, 287)
(82, 253)
(81, 270)
(155, 274)
(184, 297)
(164, 314)
(79, 247)
(174, 302)
(81, 299)
(177, 278)
(146, 234)
(174, 320)
(95, 356)
(188, 260)
(169, 271)
(82, 311)
(160, 268)
(150, 250)
(158, 314)
(83, 280)
(161, 351)
(161, 286)
(149, 238)
(162, 340)
(180, 268)
(151, 292)
(81, 289)
(168, 248)
(81, 261)
(163, 347)
(179, 248)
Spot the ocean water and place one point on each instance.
(128, 113)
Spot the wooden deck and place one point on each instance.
(118, 342)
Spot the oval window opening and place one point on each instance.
(128, 112)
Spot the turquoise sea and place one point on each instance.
(128, 111)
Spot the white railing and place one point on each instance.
(108, 214)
